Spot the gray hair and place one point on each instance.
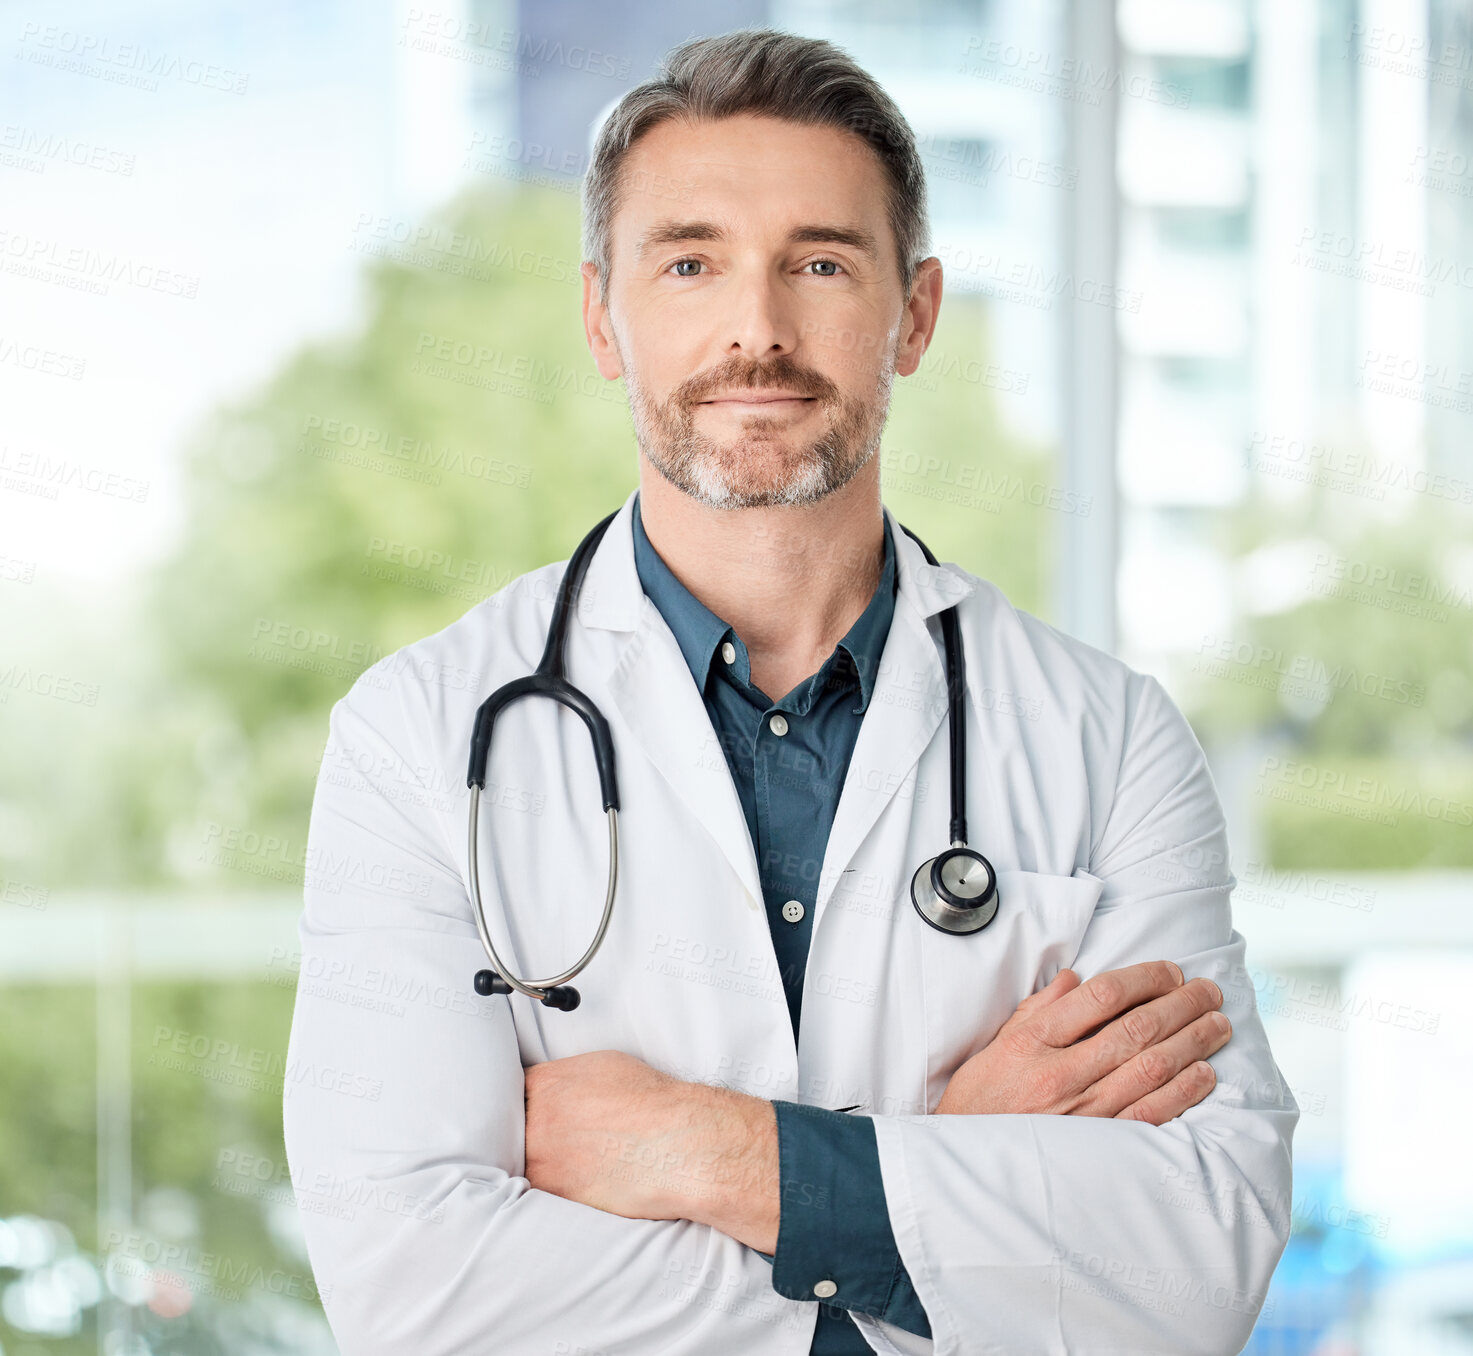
(780, 75)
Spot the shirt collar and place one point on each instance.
(699, 632)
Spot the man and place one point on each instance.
(788, 1116)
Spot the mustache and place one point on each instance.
(780, 375)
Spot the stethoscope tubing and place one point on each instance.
(537, 988)
(549, 681)
(956, 687)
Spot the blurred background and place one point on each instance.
(1202, 394)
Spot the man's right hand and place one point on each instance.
(1144, 1060)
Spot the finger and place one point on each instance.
(1105, 996)
(1063, 982)
(1140, 1029)
(1156, 1067)
(1184, 1091)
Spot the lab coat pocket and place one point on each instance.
(973, 983)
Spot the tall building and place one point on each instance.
(1444, 167)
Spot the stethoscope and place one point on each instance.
(955, 891)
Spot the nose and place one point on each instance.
(762, 322)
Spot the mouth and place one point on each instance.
(759, 400)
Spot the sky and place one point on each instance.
(179, 192)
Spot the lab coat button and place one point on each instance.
(779, 724)
(825, 1290)
(793, 911)
(728, 652)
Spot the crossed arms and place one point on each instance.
(607, 1130)
(450, 1214)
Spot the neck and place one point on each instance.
(790, 581)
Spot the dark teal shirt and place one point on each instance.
(834, 1222)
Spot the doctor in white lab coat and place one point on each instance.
(410, 1143)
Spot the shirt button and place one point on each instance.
(826, 1290)
(793, 911)
(728, 652)
(779, 724)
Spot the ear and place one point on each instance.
(597, 327)
(918, 323)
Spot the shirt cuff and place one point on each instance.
(834, 1225)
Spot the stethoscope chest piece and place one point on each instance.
(956, 891)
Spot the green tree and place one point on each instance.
(382, 483)
(1353, 659)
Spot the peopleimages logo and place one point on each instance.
(1350, 470)
(1385, 586)
(1331, 784)
(1070, 78)
(1299, 674)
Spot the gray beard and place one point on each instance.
(741, 474)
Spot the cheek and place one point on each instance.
(666, 345)
(850, 351)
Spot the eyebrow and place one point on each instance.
(678, 232)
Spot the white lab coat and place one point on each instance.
(404, 1094)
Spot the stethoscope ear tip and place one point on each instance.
(563, 997)
(487, 983)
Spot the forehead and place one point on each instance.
(760, 174)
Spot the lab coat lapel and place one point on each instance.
(906, 707)
(651, 687)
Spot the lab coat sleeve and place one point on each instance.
(1038, 1233)
(403, 1112)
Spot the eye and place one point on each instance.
(680, 263)
(826, 263)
